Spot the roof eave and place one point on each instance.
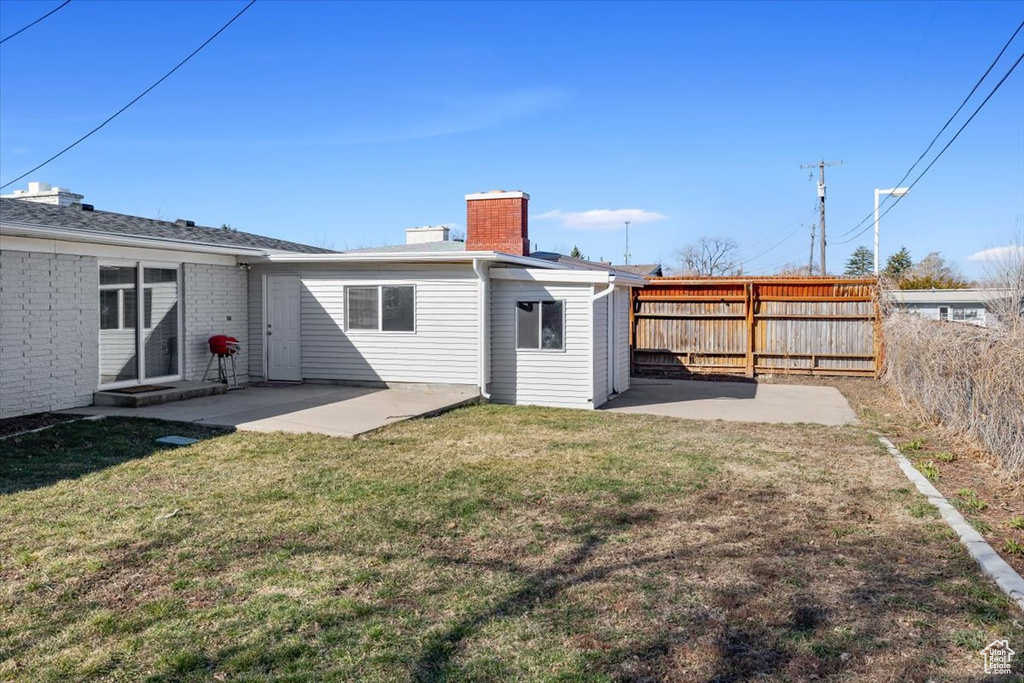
(411, 257)
(20, 229)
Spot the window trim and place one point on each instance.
(540, 326)
(380, 307)
(140, 312)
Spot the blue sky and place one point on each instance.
(341, 124)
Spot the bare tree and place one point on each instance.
(794, 270)
(710, 256)
(933, 272)
(1005, 275)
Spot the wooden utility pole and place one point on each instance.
(821, 200)
(810, 256)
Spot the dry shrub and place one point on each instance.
(970, 379)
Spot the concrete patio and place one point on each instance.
(322, 409)
(734, 401)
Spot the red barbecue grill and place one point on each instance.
(223, 348)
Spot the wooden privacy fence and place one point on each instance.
(749, 326)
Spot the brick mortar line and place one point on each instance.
(992, 566)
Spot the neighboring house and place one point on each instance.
(435, 311)
(959, 305)
(645, 269)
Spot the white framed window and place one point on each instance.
(965, 314)
(131, 352)
(380, 308)
(540, 325)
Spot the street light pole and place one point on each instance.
(895, 192)
(627, 242)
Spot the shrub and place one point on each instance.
(968, 378)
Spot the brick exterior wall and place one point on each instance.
(49, 331)
(216, 302)
(499, 224)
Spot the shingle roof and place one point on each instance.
(641, 268)
(583, 264)
(75, 218)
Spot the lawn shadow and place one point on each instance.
(779, 620)
(71, 450)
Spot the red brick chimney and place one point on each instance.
(497, 221)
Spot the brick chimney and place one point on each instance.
(497, 221)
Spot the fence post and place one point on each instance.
(749, 304)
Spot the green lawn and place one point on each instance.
(492, 543)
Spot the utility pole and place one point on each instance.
(627, 243)
(821, 200)
(810, 256)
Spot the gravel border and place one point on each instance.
(992, 565)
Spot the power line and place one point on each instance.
(943, 150)
(25, 28)
(137, 98)
(942, 130)
(780, 243)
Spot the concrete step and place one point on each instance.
(175, 391)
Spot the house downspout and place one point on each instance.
(594, 299)
(478, 268)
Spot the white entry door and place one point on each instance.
(283, 342)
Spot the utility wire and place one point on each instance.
(770, 236)
(776, 246)
(943, 150)
(25, 28)
(137, 98)
(941, 131)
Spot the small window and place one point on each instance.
(398, 309)
(361, 309)
(965, 314)
(382, 308)
(110, 309)
(943, 313)
(540, 325)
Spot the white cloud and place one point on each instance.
(602, 219)
(997, 253)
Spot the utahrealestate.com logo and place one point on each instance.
(998, 657)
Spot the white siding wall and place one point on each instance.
(215, 303)
(601, 350)
(551, 378)
(622, 303)
(973, 313)
(49, 326)
(443, 349)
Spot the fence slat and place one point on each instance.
(819, 326)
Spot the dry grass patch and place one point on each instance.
(491, 543)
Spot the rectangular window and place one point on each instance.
(943, 313)
(398, 308)
(381, 308)
(110, 309)
(965, 314)
(540, 325)
(134, 349)
(361, 308)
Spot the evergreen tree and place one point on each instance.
(576, 253)
(899, 263)
(861, 262)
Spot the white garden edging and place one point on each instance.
(992, 565)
